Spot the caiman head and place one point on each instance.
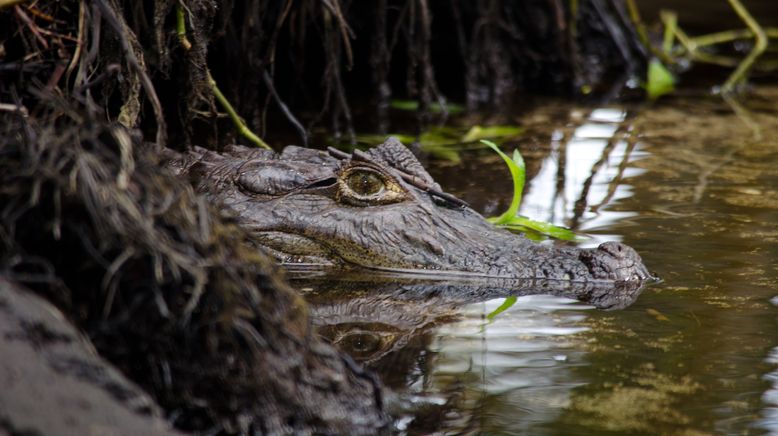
(381, 210)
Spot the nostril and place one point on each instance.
(616, 249)
(618, 261)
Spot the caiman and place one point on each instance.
(381, 210)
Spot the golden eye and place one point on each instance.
(365, 186)
(365, 183)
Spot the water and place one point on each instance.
(691, 184)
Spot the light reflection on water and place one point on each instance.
(517, 361)
(689, 186)
(596, 158)
(770, 397)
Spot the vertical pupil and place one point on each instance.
(365, 183)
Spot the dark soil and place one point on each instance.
(166, 289)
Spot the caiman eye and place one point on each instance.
(365, 186)
(365, 182)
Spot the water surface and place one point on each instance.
(691, 184)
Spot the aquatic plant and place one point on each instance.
(506, 304)
(442, 142)
(699, 49)
(510, 219)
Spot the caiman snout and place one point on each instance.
(615, 261)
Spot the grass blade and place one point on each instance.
(511, 219)
(517, 169)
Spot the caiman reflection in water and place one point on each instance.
(387, 324)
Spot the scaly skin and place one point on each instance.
(305, 206)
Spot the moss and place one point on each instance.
(647, 404)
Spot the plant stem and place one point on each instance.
(243, 130)
(671, 23)
(181, 28)
(731, 35)
(759, 47)
(634, 15)
(574, 19)
(691, 46)
(236, 119)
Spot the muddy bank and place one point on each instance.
(164, 288)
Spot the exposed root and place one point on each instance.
(316, 54)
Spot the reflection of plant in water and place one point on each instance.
(507, 304)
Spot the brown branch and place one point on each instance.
(271, 55)
(345, 30)
(380, 59)
(284, 108)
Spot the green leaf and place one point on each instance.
(510, 219)
(509, 301)
(477, 132)
(660, 80)
(670, 20)
(442, 152)
(517, 169)
(522, 224)
(437, 136)
(413, 106)
(405, 105)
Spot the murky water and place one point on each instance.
(692, 184)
